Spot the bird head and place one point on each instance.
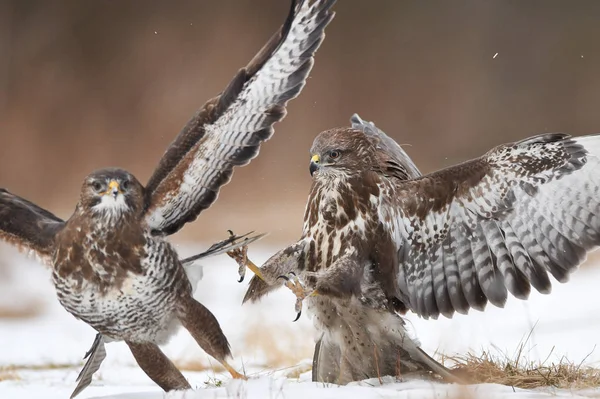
(340, 151)
(112, 192)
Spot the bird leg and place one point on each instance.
(157, 366)
(301, 292)
(206, 331)
(240, 255)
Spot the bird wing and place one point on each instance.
(95, 356)
(26, 225)
(229, 244)
(467, 234)
(230, 128)
(393, 160)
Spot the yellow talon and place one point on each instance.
(240, 255)
(233, 372)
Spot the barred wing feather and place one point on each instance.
(229, 130)
(472, 233)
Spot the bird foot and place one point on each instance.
(233, 372)
(240, 255)
(301, 292)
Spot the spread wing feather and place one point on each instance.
(26, 225)
(472, 233)
(229, 129)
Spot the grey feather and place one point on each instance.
(95, 356)
(519, 212)
(230, 128)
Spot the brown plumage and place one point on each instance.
(112, 266)
(380, 239)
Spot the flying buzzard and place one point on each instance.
(112, 266)
(380, 239)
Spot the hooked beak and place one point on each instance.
(113, 189)
(314, 163)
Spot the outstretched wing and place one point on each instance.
(393, 161)
(229, 129)
(28, 226)
(467, 234)
(229, 244)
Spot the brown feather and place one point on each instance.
(157, 366)
(27, 226)
(212, 155)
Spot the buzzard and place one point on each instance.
(97, 353)
(112, 265)
(380, 239)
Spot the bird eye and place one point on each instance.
(334, 154)
(125, 185)
(97, 186)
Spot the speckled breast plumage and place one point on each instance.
(134, 305)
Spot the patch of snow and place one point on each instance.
(565, 322)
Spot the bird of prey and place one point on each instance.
(112, 265)
(97, 352)
(380, 239)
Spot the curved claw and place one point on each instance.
(286, 278)
(241, 279)
(297, 316)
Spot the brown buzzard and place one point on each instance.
(112, 266)
(97, 353)
(380, 239)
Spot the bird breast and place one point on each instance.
(338, 217)
(91, 253)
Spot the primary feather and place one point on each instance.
(230, 128)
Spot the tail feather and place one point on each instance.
(381, 347)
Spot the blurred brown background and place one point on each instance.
(85, 85)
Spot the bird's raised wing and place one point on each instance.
(393, 160)
(28, 226)
(467, 234)
(229, 129)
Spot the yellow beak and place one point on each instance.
(113, 188)
(315, 158)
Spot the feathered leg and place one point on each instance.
(205, 329)
(266, 279)
(157, 366)
(341, 280)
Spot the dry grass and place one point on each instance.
(21, 312)
(280, 350)
(196, 365)
(8, 373)
(521, 373)
(40, 367)
(199, 365)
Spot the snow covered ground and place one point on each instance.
(45, 352)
